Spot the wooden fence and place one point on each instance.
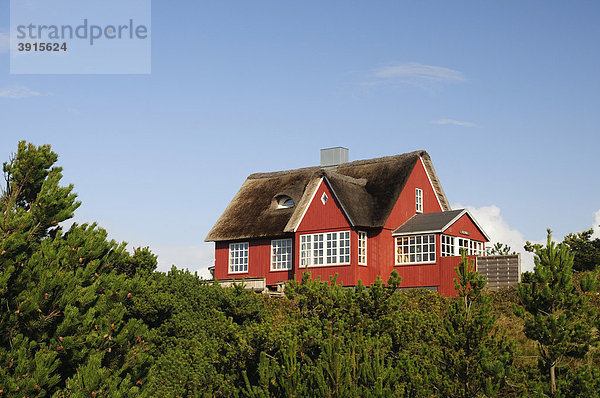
(500, 271)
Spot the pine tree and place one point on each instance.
(555, 315)
(500, 249)
(475, 358)
(66, 302)
(586, 250)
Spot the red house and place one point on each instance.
(356, 219)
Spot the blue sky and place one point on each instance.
(503, 96)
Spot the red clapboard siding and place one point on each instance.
(405, 205)
(465, 224)
(321, 218)
(448, 274)
(381, 245)
(259, 262)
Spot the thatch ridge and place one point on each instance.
(367, 190)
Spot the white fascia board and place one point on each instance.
(308, 205)
(462, 213)
(339, 201)
(431, 184)
(477, 225)
(417, 233)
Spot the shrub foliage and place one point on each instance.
(82, 316)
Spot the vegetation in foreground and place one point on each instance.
(81, 316)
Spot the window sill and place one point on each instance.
(428, 263)
(324, 265)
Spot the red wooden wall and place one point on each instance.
(327, 217)
(330, 216)
(259, 262)
(465, 224)
(405, 206)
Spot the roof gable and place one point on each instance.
(324, 214)
(367, 190)
(435, 223)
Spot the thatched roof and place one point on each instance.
(366, 189)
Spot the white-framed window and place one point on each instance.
(448, 248)
(317, 249)
(332, 248)
(305, 250)
(281, 254)
(416, 249)
(419, 200)
(324, 198)
(473, 247)
(476, 248)
(285, 202)
(344, 244)
(238, 257)
(362, 248)
(463, 243)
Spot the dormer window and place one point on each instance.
(285, 202)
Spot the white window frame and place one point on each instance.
(412, 249)
(362, 248)
(474, 247)
(285, 202)
(448, 245)
(281, 255)
(325, 249)
(463, 243)
(418, 200)
(238, 257)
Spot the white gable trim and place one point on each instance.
(431, 183)
(313, 197)
(462, 213)
(448, 225)
(437, 231)
(308, 205)
(339, 201)
(478, 226)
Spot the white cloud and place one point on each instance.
(195, 258)
(454, 122)
(498, 230)
(415, 72)
(4, 42)
(18, 92)
(596, 225)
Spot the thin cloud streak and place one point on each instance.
(18, 92)
(454, 122)
(417, 71)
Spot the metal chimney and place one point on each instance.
(331, 157)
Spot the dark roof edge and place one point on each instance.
(461, 213)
